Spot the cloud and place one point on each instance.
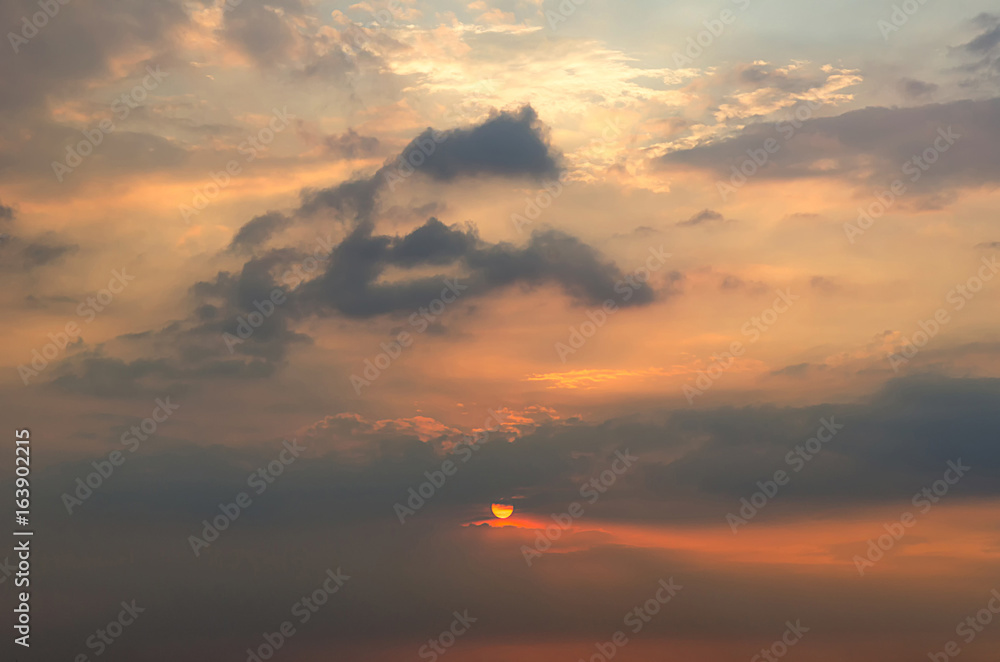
(692, 468)
(39, 254)
(261, 30)
(916, 89)
(509, 144)
(704, 217)
(21, 254)
(989, 39)
(258, 230)
(982, 54)
(88, 33)
(348, 145)
(869, 147)
(350, 286)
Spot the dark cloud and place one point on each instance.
(434, 243)
(355, 199)
(692, 468)
(874, 141)
(508, 144)
(21, 254)
(916, 89)
(980, 56)
(989, 39)
(351, 287)
(89, 373)
(703, 217)
(346, 278)
(40, 254)
(6, 213)
(258, 230)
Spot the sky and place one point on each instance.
(297, 291)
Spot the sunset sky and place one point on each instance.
(705, 292)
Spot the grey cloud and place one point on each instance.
(260, 31)
(988, 40)
(79, 43)
(258, 230)
(916, 89)
(349, 284)
(981, 56)
(508, 144)
(348, 145)
(693, 467)
(876, 140)
(24, 254)
(703, 217)
(40, 254)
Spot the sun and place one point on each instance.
(503, 510)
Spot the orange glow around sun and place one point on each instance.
(503, 510)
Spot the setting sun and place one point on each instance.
(503, 510)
